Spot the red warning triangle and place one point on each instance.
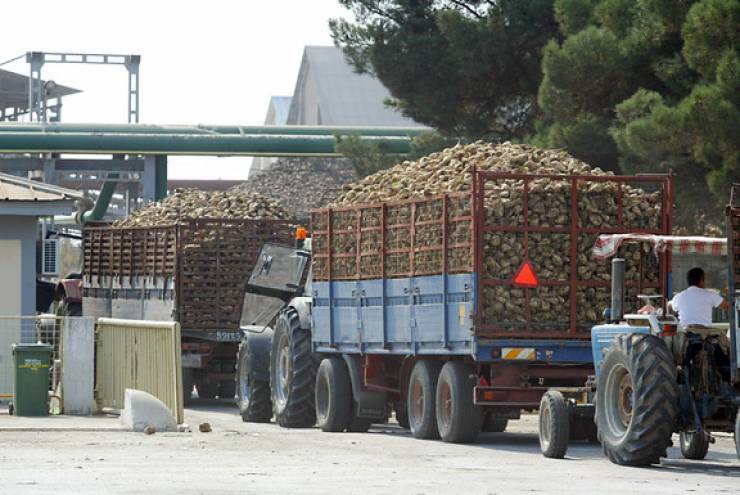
(525, 276)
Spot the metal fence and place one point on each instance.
(24, 329)
(142, 355)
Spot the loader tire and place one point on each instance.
(292, 373)
(694, 445)
(334, 395)
(458, 418)
(637, 400)
(253, 378)
(554, 425)
(737, 433)
(420, 400)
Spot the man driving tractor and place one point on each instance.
(694, 305)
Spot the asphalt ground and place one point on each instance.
(92, 455)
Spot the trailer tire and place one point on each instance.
(694, 445)
(554, 425)
(420, 399)
(637, 375)
(458, 418)
(292, 373)
(253, 371)
(402, 415)
(187, 386)
(333, 395)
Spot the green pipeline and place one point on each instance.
(286, 130)
(186, 144)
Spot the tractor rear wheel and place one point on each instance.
(422, 388)
(333, 395)
(292, 373)
(554, 425)
(694, 445)
(637, 400)
(458, 418)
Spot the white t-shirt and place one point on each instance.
(694, 306)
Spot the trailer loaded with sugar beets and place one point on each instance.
(655, 377)
(457, 311)
(193, 271)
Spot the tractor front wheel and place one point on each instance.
(694, 445)
(637, 400)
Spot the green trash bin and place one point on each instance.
(31, 372)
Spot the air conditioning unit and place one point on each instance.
(50, 257)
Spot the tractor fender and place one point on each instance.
(302, 306)
(258, 343)
(369, 404)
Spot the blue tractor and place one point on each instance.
(653, 377)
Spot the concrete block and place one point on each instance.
(142, 410)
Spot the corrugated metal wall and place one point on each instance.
(142, 355)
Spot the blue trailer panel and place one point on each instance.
(406, 316)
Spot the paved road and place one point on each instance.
(247, 458)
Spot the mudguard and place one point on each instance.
(369, 404)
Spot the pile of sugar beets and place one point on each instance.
(549, 202)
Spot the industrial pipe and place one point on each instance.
(287, 130)
(185, 144)
(98, 210)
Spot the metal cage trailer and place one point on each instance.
(193, 272)
(454, 308)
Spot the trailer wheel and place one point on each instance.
(333, 395)
(694, 445)
(458, 419)
(187, 386)
(253, 378)
(292, 373)
(554, 425)
(636, 400)
(402, 415)
(420, 408)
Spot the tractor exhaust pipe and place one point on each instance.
(617, 303)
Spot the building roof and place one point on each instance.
(329, 92)
(14, 90)
(277, 112)
(28, 197)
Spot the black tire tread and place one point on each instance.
(697, 447)
(259, 408)
(299, 411)
(556, 446)
(466, 416)
(655, 399)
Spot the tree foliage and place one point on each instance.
(467, 68)
(647, 86)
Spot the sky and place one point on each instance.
(214, 62)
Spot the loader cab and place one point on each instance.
(278, 276)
